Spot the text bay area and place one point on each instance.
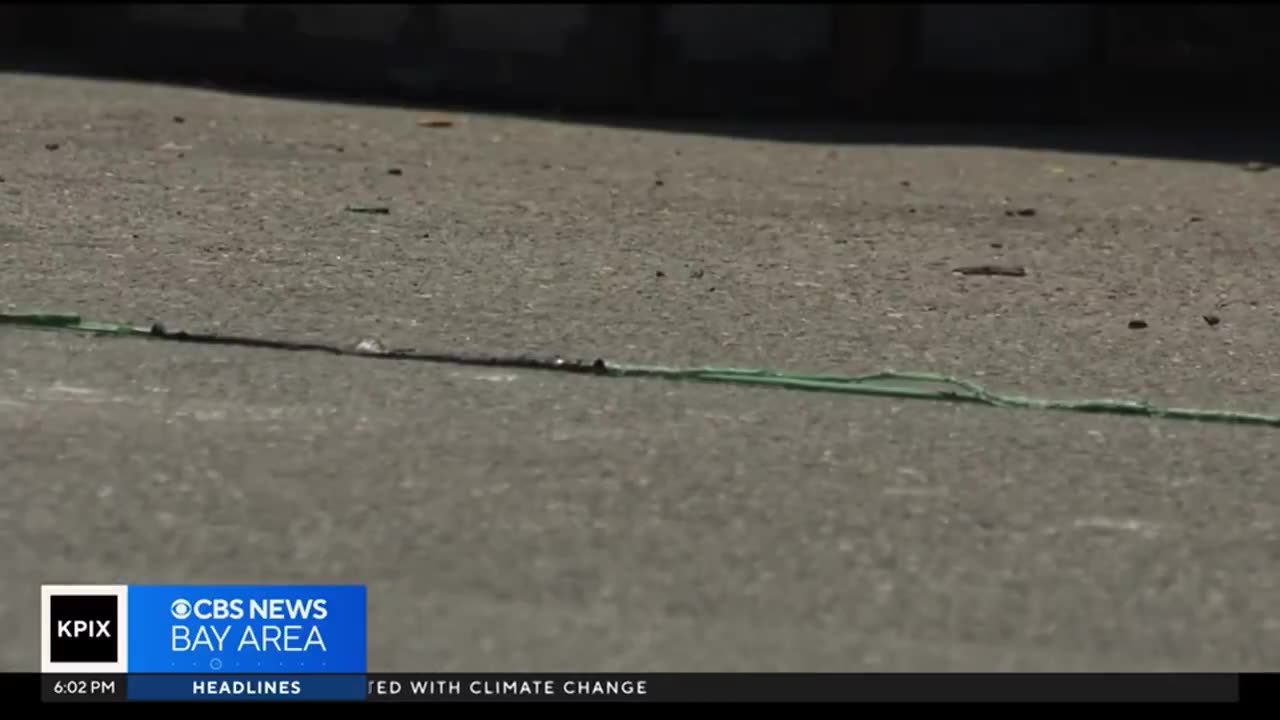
(266, 638)
(507, 688)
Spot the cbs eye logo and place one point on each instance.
(180, 609)
(83, 628)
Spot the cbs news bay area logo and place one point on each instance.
(285, 635)
(203, 629)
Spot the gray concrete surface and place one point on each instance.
(525, 521)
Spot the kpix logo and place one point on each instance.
(84, 628)
(97, 630)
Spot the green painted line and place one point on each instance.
(905, 385)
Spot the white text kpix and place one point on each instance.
(84, 628)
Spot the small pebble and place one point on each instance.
(1212, 320)
(370, 345)
(395, 171)
(51, 146)
(1137, 324)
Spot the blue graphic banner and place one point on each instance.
(242, 629)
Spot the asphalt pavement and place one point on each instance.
(522, 520)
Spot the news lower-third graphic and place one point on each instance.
(204, 629)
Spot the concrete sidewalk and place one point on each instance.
(525, 521)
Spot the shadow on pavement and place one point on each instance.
(1229, 121)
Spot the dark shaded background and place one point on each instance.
(1193, 80)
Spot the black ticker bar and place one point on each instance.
(726, 687)
(1259, 688)
(730, 687)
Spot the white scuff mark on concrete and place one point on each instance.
(202, 415)
(919, 485)
(487, 377)
(199, 410)
(1137, 526)
(915, 491)
(583, 432)
(73, 390)
(913, 473)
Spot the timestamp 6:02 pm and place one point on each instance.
(84, 688)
